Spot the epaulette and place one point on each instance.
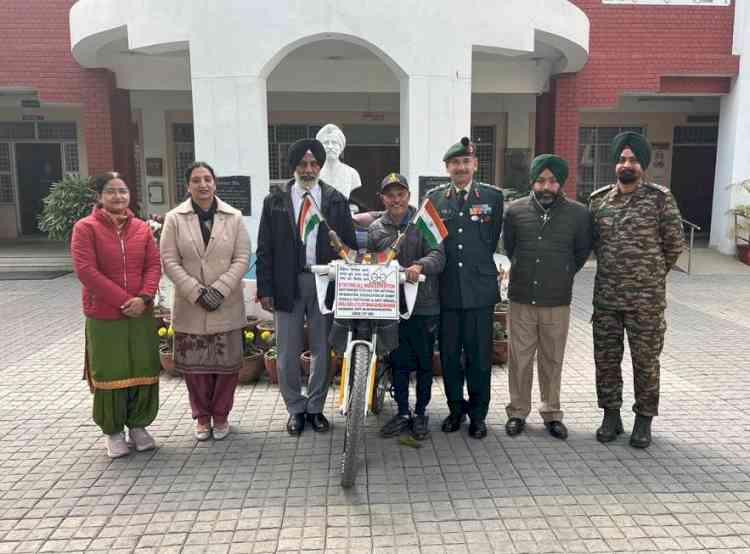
(488, 186)
(654, 186)
(437, 188)
(598, 191)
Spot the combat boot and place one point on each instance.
(611, 426)
(641, 435)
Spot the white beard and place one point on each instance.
(306, 185)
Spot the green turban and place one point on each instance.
(555, 164)
(636, 142)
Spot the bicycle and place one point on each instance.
(365, 341)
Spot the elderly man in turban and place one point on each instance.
(286, 285)
(548, 239)
(637, 239)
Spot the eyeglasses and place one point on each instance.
(122, 191)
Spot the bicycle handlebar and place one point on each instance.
(330, 270)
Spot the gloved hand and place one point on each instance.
(210, 299)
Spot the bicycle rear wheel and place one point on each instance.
(355, 414)
(382, 386)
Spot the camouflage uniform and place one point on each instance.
(637, 239)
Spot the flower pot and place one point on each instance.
(305, 362)
(167, 360)
(252, 367)
(499, 352)
(743, 253)
(269, 361)
(502, 317)
(437, 367)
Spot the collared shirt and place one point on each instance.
(467, 188)
(298, 194)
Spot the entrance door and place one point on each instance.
(693, 172)
(38, 166)
(373, 163)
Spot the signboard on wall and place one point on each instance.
(427, 183)
(235, 191)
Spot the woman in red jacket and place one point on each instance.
(117, 261)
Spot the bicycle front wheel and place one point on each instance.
(355, 414)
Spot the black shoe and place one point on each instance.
(396, 425)
(611, 425)
(452, 423)
(296, 424)
(641, 435)
(318, 422)
(478, 429)
(557, 429)
(420, 427)
(514, 426)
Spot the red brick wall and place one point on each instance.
(631, 49)
(35, 53)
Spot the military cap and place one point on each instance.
(555, 164)
(394, 179)
(298, 150)
(636, 142)
(464, 147)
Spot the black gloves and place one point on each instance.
(210, 299)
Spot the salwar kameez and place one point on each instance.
(122, 363)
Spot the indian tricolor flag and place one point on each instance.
(309, 218)
(430, 224)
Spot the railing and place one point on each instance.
(693, 228)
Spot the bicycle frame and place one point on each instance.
(325, 274)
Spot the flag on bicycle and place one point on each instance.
(309, 218)
(430, 224)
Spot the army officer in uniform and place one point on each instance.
(473, 215)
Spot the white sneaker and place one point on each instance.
(202, 432)
(116, 445)
(142, 439)
(221, 431)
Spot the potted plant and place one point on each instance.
(499, 343)
(269, 361)
(252, 360)
(69, 200)
(166, 348)
(501, 313)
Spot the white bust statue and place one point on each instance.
(336, 173)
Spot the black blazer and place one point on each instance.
(279, 243)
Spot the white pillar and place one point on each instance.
(435, 113)
(230, 115)
(732, 160)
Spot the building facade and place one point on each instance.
(148, 87)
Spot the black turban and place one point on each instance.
(636, 142)
(298, 150)
(555, 164)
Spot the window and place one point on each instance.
(280, 138)
(55, 131)
(184, 155)
(484, 140)
(595, 167)
(6, 182)
(70, 157)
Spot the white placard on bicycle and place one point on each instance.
(367, 291)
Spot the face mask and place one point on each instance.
(627, 176)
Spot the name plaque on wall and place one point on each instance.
(426, 184)
(235, 191)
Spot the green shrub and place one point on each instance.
(69, 200)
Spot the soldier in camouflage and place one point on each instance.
(637, 239)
